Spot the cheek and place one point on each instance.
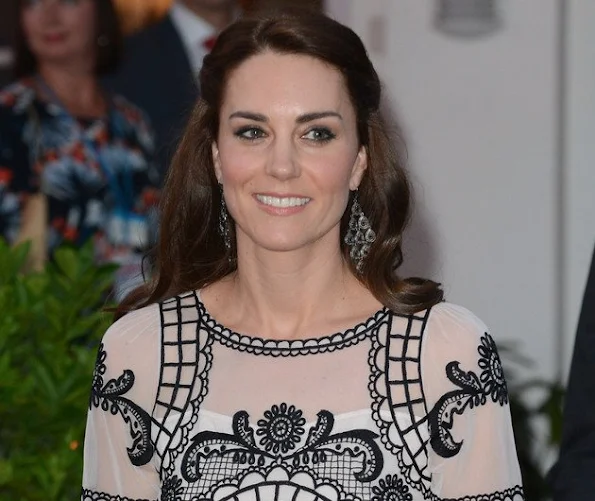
(237, 164)
(334, 170)
(82, 22)
(30, 25)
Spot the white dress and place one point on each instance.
(399, 408)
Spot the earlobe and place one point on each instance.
(359, 167)
(216, 161)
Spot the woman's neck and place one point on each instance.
(279, 296)
(78, 91)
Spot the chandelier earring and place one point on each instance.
(360, 236)
(224, 227)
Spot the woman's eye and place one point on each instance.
(319, 134)
(249, 133)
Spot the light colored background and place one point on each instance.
(502, 148)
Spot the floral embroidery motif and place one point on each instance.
(473, 392)
(109, 397)
(282, 428)
(391, 489)
(280, 435)
(492, 375)
(172, 489)
(278, 457)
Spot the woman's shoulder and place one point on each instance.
(450, 316)
(129, 110)
(454, 329)
(133, 120)
(17, 96)
(129, 356)
(134, 330)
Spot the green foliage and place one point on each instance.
(50, 325)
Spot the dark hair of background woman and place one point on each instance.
(108, 42)
(191, 253)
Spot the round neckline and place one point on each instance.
(289, 347)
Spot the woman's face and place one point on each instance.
(287, 152)
(60, 31)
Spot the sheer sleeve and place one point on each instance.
(472, 454)
(118, 455)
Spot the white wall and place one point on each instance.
(482, 122)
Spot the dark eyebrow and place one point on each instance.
(257, 117)
(308, 117)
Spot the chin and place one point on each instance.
(284, 243)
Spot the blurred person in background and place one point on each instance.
(161, 64)
(75, 161)
(573, 476)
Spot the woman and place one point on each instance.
(74, 161)
(277, 355)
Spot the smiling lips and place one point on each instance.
(282, 202)
(54, 37)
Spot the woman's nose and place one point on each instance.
(282, 162)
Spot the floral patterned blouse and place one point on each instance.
(398, 407)
(96, 174)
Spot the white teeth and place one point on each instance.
(282, 202)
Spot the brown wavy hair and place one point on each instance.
(191, 253)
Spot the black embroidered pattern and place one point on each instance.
(392, 488)
(296, 347)
(279, 484)
(473, 392)
(513, 494)
(109, 397)
(186, 361)
(492, 375)
(89, 495)
(278, 456)
(280, 429)
(172, 489)
(399, 403)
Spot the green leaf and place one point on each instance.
(51, 324)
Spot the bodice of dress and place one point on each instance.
(96, 175)
(395, 408)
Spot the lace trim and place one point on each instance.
(89, 495)
(296, 347)
(513, 494)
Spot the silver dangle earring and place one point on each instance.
(360, 236)
(224, 224)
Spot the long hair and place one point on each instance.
(191, 253)
(108, 34)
